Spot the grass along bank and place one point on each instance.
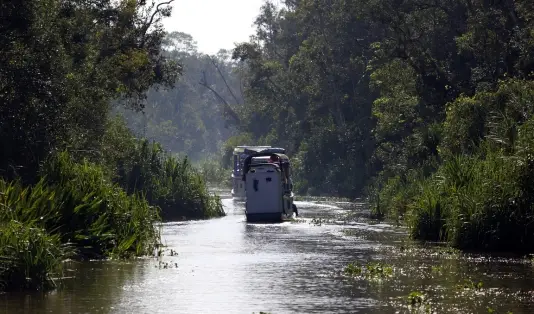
(480, 196)
(166, 181)
(74, 211)
(29, 256)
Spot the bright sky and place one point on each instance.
(214, 24)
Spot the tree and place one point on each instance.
(61, 64)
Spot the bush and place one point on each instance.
(74, 205)
(77, 202)
(392, 199)
(214, 173)
(168, 182)
(482, 202)
(481, 195)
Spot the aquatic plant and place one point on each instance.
(470, 284)
(320, 221)
(490, 310)
(166, 265)
(418, 302)
(415, 298)
(371, 270)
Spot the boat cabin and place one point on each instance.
(239, 155)
(268, 187)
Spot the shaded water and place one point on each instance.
(228, 266)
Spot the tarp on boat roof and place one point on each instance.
(247, 163)
(243, 148)
(274, 150)
(270, 150)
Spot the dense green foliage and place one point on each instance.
(61, 64)
(167, 181)
(172, 184)
(424, 106)
(74, 180)
(29, 256)
(74, 204)
(213, 172)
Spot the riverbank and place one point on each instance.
(72, 212)
(475, 194)
(78, 210)
(75, 181)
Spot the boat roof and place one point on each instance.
(274, 150)
(262, 156)
(269, 151)
(241, 149)
(267, 155)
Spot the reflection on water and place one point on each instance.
(228, 266)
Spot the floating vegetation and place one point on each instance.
(470, 284)
(438, 269)
(369, 271)
(418, 302)
(166, 265)
(322, 221)
(321, 199)
(161, 252)
(410, 248)
(490, 310)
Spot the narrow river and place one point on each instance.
(228, 266)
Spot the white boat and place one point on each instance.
(268, 187)
(240, 153)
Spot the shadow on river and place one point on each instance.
(228, 266)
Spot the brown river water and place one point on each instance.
(225, 265)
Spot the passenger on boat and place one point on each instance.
(274, 159)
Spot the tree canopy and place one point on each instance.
(61, 65)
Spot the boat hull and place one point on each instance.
(267, 217)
